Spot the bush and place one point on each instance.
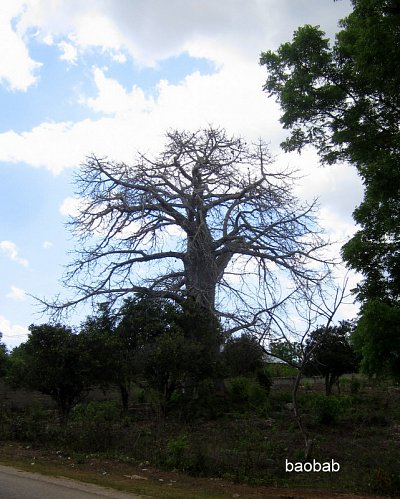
(264, 378)
(29, 425)
(176, 448)
(93, 427)
(326, 410)
(355, 385)
(96, 412)
(246, 393)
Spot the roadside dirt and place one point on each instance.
(145, 480)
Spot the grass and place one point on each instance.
(241, 450)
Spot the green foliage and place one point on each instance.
(377, 339)
(264, 379)
(54, 362)
(355, 385)
(3, 358)
(281, 370)
(93, 427)
(96, 412)
(176, 450)
(326, 410)
(344, 100)
(25, 425)
(330, 354)
(288, 352)
(247, 394)
(242, 355)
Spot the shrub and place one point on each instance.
(96, 412)
(246, 393)
(355, 385)
(326, 410)
(93, 427)
(176, 449)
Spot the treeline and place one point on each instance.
(153, 345)
(179, 354)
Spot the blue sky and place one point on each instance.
(109, 77)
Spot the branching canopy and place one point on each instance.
(210, 218)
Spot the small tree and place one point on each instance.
(290, 353)
(331, 354)
(54, 362)
(243, 355)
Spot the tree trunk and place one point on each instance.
(124, 397)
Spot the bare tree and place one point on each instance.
(317, 307)
(210, 218)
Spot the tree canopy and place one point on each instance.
(53, 361)
(210, 219)
(330, 353)
(377, 339)
(344, 100)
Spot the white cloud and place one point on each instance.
(136, 122)
(119, 57)
(70, 207)
(17, 294)
(10, 249)
(68, 51)
(13, 334)
(113, 99)
(155, 30)
(47, 245)
(17, 68)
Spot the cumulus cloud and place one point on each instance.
(113, 99)
(154, 30)
(47, 245)
(13, 334)
(151, 31)
(11, 251)
(130, 121)
(17, 294)
(17, 68)
(68, 51)
(70, 207)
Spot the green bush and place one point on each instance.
(355, 385)
(264, 378)
(96, 412)
(279, 370)
(246, 393)
(29, 425)
(176, 448)
(93, 427)
(326, 410)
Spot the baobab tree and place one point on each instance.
(211, 219)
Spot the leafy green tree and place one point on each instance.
(344, 100)
(377, 339)
(142, 321)
(243, 355)
(184, 354)
(289, 352)
(54, 362)
(115, 339)
(106, 351)
(330, 354)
